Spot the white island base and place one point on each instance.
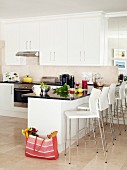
(47, 115)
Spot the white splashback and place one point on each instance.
(109, 73)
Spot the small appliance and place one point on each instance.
(65, 78)
(50, 80)
(68, 79)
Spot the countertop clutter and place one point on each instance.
(13, 77)
(52, 95)
(10, 77)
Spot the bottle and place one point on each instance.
(84, 84)
(121, 77)
(72, 82)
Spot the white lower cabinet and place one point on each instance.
(7, 107)
(6, 96)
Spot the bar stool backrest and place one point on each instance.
(122, 90)
(93, 101)
(103, 99)
(111, 94)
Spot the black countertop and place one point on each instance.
(52, 95)
(33, 83)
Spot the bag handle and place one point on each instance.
(36, 143)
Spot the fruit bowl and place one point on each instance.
(45, 89)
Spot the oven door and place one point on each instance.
(18, 99)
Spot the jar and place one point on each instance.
(84, 84)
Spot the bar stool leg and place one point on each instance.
(112, 122)
(114, 109)
(118, 117)
(87, 131)
(95, 125)
(65, 135)
(111, 125)
(125, 102)
(106, 114)
(92, 121)
(69, 141)
(102, 140)
(123, 115)
(103, 132)
(77, 133)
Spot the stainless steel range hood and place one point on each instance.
(28, 53)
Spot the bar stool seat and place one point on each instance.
(75, 114)
(84, 106)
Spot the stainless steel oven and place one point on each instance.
(20, 89)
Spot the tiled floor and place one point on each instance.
(12, 157)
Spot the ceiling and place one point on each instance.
(34, 8)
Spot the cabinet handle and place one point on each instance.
(54, 55)
(50, 55)
(26, 45)
(80, 55)
(30, 45)
(84, 55)
(11, 90)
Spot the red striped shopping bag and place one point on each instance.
(37, 147)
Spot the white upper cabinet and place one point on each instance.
(92, 41)
(29, 36)
(76, 41)
(72, 40)
(12, 45)
(84, 41)
(53, 42)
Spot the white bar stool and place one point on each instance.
(103, 106)
(86, 114)
(119, 98)
(111, 102)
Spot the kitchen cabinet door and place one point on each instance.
(92, 33)
(76, 41)
(29, 36)
(6, 96)
(84, 41)
(12, 45)
(53, 42)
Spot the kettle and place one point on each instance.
(27, 79)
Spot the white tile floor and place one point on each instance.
(12, 145)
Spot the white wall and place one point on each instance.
(117, 38)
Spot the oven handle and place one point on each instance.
(22, 90)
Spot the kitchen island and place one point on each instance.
(46, 113)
